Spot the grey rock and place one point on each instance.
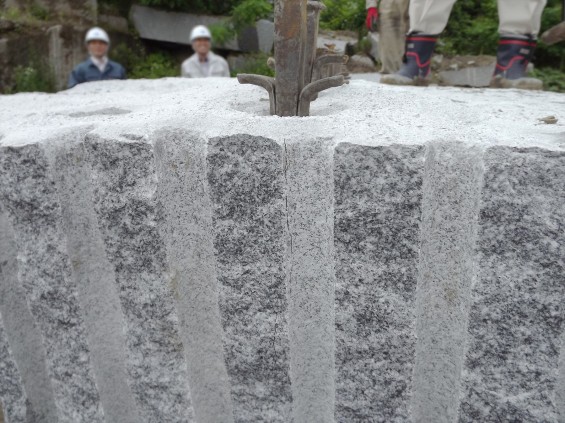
(12, 395)
(517, 316)
(378, 200)
(479, 76)
(174, 27)
(116, 23)
(311, 278)
(446, 273)
(29, 197)
(6, 26)
(21, 331)
(95, 280)
(560, 386)
(124, 193)
(185, 198)
(246, 180)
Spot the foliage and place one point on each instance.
(33, 78)
(155, 65)
(214, 7)
(343, 15)
(553, 80)
(255, 63)
(245, 14)
(141, 65)
(473, 29)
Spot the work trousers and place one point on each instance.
(516, 17)
(393, 26)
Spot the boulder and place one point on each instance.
(170, 252)
(175, 27)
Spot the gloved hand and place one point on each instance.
(372, 18)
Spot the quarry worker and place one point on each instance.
(393, 26)
(519, 25)
(98, 67)
(203, 63)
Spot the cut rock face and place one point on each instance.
(186, 262)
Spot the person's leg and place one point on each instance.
(429, 16)
(520, 17)
(520, 22)
(428, 19)
(391, 36)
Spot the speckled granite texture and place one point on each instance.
(158, 267)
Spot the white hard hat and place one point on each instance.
(97, 34)
(200, 31)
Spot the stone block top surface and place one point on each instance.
(363, 113)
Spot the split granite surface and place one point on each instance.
(171, 253)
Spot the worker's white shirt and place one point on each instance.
(100, 63)
(214, 66)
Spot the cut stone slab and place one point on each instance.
(175, 27)
(475, 77)
(395, 257)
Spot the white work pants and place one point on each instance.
(393, 26)
(516, 17)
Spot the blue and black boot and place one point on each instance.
(514, 55)
(417, 60)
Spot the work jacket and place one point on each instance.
(215, 66)
(87, 71)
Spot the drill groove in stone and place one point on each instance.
(185, 198)
(95, 280)
(517, 314)
(124, 188)
(30, 198)
(21, 330)
(447, 270)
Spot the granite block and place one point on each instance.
(517, 316)
(12, 395)
(184, 196)
(311, 281)
(22, 334)
(246, 180)
(95, 279)
(124, 192)
(378, 196)
(30, 199)
(447, 270)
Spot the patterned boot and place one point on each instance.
(514, 54)
(417, 59)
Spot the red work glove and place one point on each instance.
(372, 18)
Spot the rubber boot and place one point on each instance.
(417, 60)
(514, 55)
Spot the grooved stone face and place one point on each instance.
(378, 193)
(12, 396)
(246, 185)
(123, 178)
(517, 317)
(29, 196)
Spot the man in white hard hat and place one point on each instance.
(98, 67)
(203, 63)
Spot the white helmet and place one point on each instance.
(200, 31)
(97, 34)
